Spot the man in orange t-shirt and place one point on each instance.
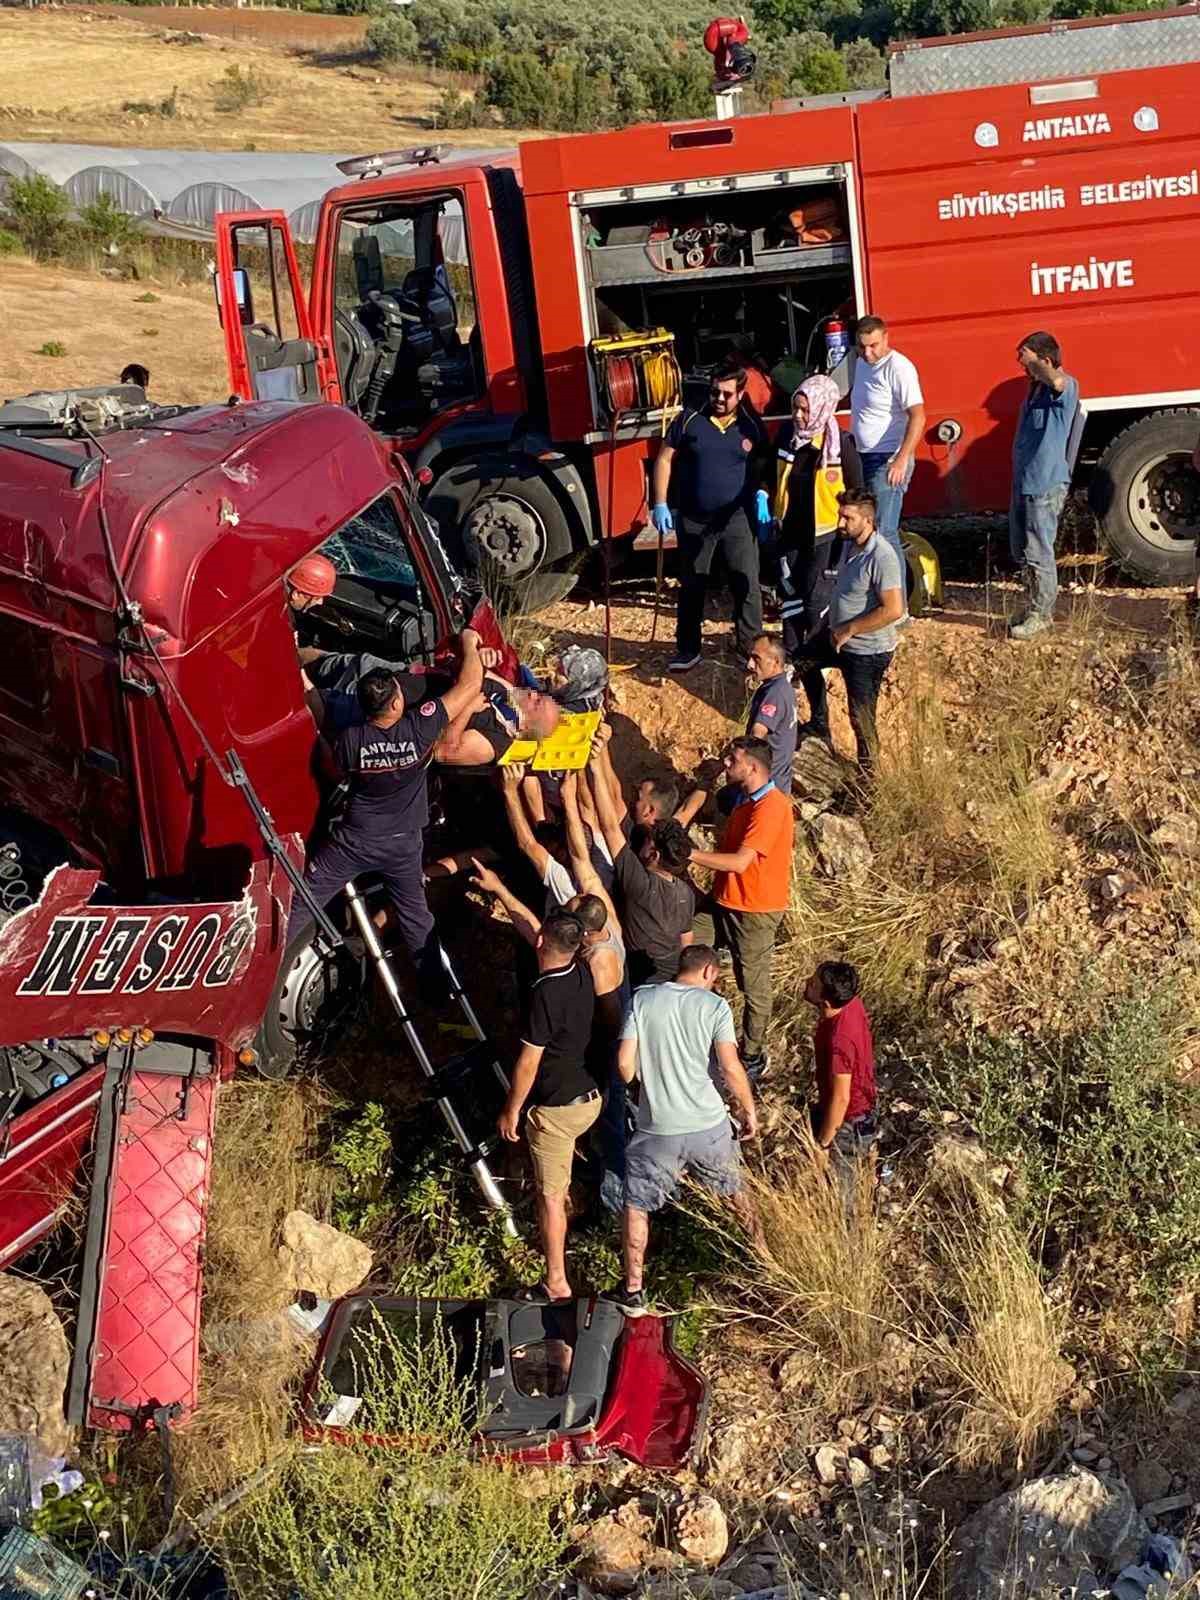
(753, 867)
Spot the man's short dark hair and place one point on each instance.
(673, 845)
(869, 325)
(757, 749)
(729, 368)
(136, 373)
(862, 498)
(563, 932)
(1044, 345)
(591, 912)
(775, 642)
(376, 691)
(839, 983)
(664, 795)
(695, 957)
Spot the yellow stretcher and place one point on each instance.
(566, 750)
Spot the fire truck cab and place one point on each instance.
(524, 324)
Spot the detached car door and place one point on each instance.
(269, 341)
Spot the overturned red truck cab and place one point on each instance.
(149, 656)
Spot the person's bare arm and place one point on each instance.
(610, 825)
(533, 798)
(469, 749)
(662, 473)
(536, 854)
(627, 1054)
(834, 1114)
(605, 772)
(469, 682)
(1046, 372)
(582, 869)
(524, 1073)
(724, 860)
(902, 460)
(889, 609)
(739, 1088)
(523, 920)
(691, 807)
(759, 730)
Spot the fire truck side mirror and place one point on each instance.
(245, 298)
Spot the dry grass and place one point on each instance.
(262, 1169)
(816, 1283)
(992, 1329)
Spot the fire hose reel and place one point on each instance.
(948, 431)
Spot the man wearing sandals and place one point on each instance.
(550, 1074)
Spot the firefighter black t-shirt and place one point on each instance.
(388, 769)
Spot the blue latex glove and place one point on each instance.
(661, 517)
(762, 508)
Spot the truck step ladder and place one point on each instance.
(473, 1077)
(136, 1357)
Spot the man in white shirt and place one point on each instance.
(887, 416)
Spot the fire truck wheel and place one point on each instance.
(507, 528)
(1146, 494)
(314, 994)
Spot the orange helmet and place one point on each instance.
(315, 576)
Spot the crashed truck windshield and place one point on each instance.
(371, 546)
(382, 602)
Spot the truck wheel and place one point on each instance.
(509, 532)
(1146, 494)
(314, 995)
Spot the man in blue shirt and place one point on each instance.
(1041, 475)
(715, 457)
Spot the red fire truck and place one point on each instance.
(1031, 178)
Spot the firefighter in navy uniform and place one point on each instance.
(385, 758)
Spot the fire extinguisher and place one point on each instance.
(837, 343)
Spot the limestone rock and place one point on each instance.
(34, 1361)
(1040, 1537)
(616, 1549)
(1149, 1480)
(843, 850)
(817, 774)
(858, 1472)
(701, 1532)
(826, 1462)
(321, 1259)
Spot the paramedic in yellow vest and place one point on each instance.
(815, 462)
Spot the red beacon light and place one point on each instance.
(727, 40)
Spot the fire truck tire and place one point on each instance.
(505, 527)
(313, 994)
(1146, 495)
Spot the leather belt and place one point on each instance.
(583, 1099)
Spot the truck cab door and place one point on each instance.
(269, 342)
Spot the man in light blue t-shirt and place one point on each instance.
(1041, 475)
(673, 1033)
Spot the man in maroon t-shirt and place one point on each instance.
(843, 1118)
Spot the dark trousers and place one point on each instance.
(731, 538)
(398, 861)
(863, 676)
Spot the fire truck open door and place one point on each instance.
(269, 342)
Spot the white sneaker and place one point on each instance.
(683, 663)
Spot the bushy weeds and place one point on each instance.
(1101, 1129)
(413, 1517)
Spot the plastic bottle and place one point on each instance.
(837, 343)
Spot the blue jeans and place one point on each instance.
(1032, 532)
(888, 501)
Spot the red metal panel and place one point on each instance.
(148, 1330)
(39, 1162)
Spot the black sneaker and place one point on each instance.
(682, 663)
(631, 1301)
(811, 730)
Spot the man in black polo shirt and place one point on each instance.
(715, 455)
(386, 758)
(564, 1099)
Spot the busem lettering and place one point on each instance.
(990, 203)
(1082, 277)
(1176, 187)
(1079, 127)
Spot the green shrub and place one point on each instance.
(456, 111)
(169, 107)
(37, 210)
(52, 347)
(1103, 1133)
(109, 227)
(11, 244)
(362, 1156)
(239, 88)
(392, 38)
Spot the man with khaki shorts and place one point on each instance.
(564, 1099)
